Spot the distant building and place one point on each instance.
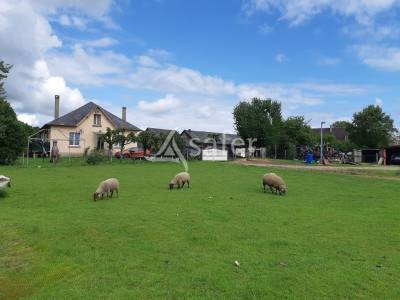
(210, 140)
(339, 133)
(81, 129)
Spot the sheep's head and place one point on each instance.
(96, 196)
(283, 189)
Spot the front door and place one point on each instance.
(100, 143)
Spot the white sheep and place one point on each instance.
(5, 181)
(179, 180)
(276, 182)
(107, 186)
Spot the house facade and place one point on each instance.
(80, 130)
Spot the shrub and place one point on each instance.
(96, 157)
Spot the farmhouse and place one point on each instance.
(80, 130)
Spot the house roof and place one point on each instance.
(159, 131)
(75, 117)
(202, 136)
(339, 133)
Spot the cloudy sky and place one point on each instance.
(185, 64)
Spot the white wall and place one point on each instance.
(215, 155)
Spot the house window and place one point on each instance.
(74, 138)
(97, 120)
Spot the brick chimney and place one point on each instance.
(56, 106)
(124, 113)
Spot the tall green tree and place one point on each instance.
(371, 128)
(259, 119)
(341, 124)
(12, 138)
(298, 131)
(146, 139)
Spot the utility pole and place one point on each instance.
(321, 159)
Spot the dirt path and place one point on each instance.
(350, 170)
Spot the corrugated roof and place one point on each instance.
(75, 117)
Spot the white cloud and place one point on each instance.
(89, 67)
(74, 21)
(289, 95)
(101, 43)
(299, 11)
(385, 58)
(91, 8)
(329, 61)
(147, 61)
(168, 103)
(280, 58)
(29, 119)
(31, 85)
(174, 79)
(160, 54)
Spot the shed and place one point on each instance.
(214, 155)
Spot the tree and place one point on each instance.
(371, 128)
(259, 119)
(298, 131)
(4, 69)
(341, 124)
(12, 139)
(147, 139)
(110, 138)
(123, 139)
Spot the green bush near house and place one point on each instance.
(96, 157)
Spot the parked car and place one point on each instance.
(395, 159)
(133, 153)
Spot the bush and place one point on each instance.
(96, 157)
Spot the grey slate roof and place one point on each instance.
(73, 118)
(159, 131)
(202, 136)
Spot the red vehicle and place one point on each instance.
(133, 153)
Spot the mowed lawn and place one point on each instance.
(332, 236)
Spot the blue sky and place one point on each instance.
(186, 64)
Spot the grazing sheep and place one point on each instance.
(273, 181)
(5, 181)
(106, 187)
(179, 180)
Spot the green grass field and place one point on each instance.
(333, 235)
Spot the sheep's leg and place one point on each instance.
(117, 193)
(272, 189)
(188, 184)
(112, 192)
